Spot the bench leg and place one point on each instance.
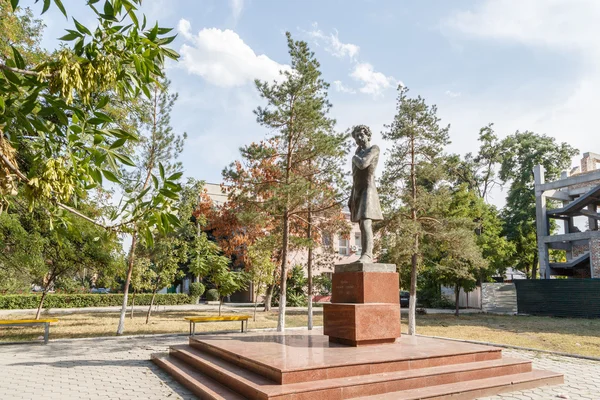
(242, 326)
(193, 329)
(46, 332)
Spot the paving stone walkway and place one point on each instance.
(120, 368)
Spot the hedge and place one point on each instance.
(19, 301)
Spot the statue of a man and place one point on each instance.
(364, 200)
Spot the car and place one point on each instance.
(100, 290)
(404, 298)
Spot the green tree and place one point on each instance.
(55, 138)
(296, 113)
(227, 282)
(54, 254)
(261, 269)
(154, 176)
(413, 167)
(21, 30)
(163, 260)
(522, 151)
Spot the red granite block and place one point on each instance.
(361, 324)
(365, 287)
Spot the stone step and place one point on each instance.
(200, 384)
(344, 362)
(477, 388)
(255, 386)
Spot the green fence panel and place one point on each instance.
(578, 298)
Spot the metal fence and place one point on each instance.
(499, 298)
(559, 297)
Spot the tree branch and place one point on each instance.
(18, 70)
(23, 178)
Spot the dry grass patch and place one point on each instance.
(83, 325)
(574, 336)
(568, 335)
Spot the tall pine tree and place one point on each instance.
(301, 159)
(413, 167)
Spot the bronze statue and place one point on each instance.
(364, 200)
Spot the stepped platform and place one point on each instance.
(302, 365)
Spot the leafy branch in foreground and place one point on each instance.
(57, 139)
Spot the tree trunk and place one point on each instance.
(456, 298)
(121, 327)
(269, 291)
(39, 310)
(310, 272)
(534, 267)
(412, 306)
(283, 285)
(132, 303)
(151, 304)
(255, 305)
(269, 297)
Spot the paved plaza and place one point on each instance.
(120, 368)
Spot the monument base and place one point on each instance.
(365, 305)
(361, 324)
(305, 365)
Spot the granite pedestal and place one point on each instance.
(365, 305)
(305, 365)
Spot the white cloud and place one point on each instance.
(332, 43)
(562, 24)
(340, 87)
(374, 83)
(565, 109)
(237, 6)
(452, 94)
(222, 58)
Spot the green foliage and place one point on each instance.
(412, 186)
(35, 252)
(261, 265)
(323, 284)
(14, 302)
(61, 99)
(522, 151)
(296, 171)
(212, 295)
(296, 289)
(196, 290)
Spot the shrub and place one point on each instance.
(212, 295)
(196, 290)
(15, 301)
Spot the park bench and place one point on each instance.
(29, 322)
(195, 320)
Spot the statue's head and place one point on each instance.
(362, 135)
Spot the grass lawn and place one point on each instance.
(575, 336)
(568, 335)
(80, 325)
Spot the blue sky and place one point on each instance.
(523, 65)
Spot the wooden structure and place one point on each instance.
(579, 194)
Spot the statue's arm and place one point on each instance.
(365, 161)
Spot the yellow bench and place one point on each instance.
(195, 320)
(29, 322)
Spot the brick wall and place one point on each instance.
(595, 257)
(579, 249)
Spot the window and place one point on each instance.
(343, 246)
(357, 239)
(326, 239)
